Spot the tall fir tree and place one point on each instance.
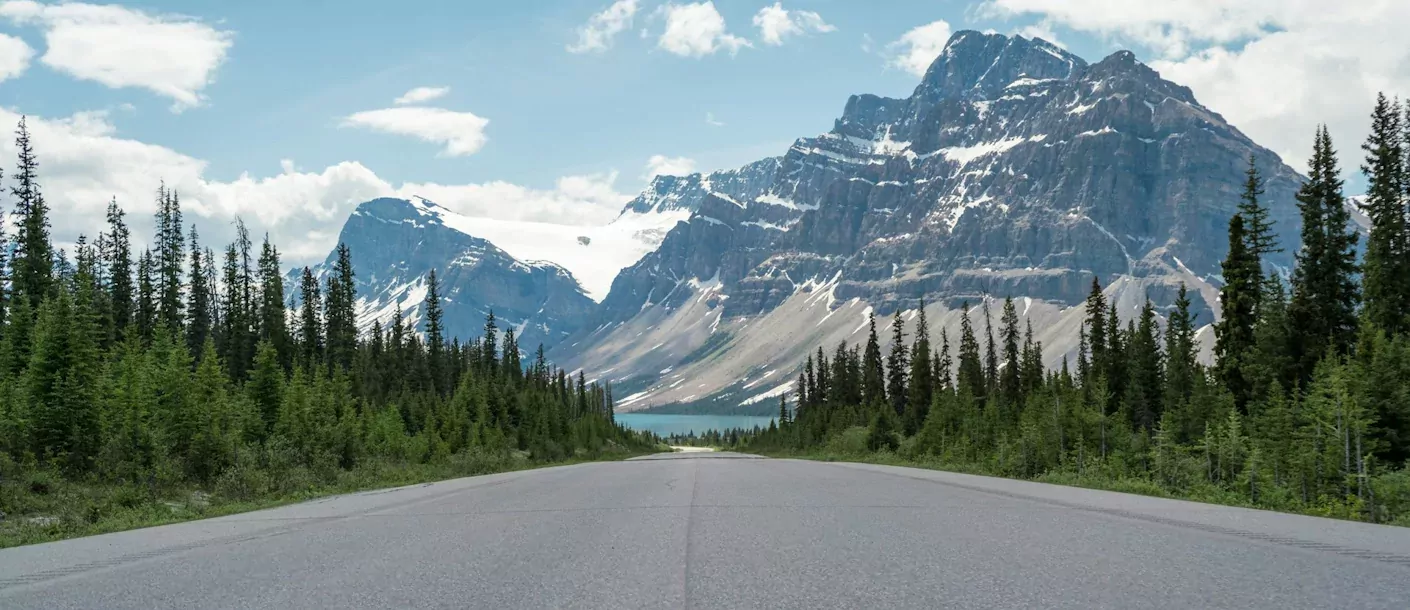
(146, 308)
(170, 244)
(1010, 385)
(1146, 371)
(32, 262)
(340, 307)
(1238, 300)
(310, 321)
(273, 324)
(921, 387)
(1324, 289)
(118, 260)
(1386, 266)
(873, 373)
(198, 309)
(897, 365)
(435, 332)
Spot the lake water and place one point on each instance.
(666, 425)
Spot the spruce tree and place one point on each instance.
(198, 328)
(170, 259)
(340, 308)
(1096, 330)
(921, 388)
(1238, 301)
(897, 366)
(310, 322)
(991, 359)
(1324, 291)
(32, 262)
(970, 377)
(1386, 271)
(118, 260)
(1180, 358)
(146, 297)
(1258, 228)
(944, 364)
(273, 325)
(1147, 375)
(1010, 385)
(873, 374)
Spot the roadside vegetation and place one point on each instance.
(1306, 409)
(139, 388)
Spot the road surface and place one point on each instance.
(722, 530)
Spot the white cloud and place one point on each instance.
(776, 23)
(173, 56)
(918, 48)
(597, 34)
(1274, 68)
(697, 30)
(661, 165)
(84, 164)
(462, 133)
(712, 121)
(421, 95)
(14, 57)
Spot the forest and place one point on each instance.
(176, 382)
(1305, 408)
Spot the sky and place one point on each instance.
(289, 114)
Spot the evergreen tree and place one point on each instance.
(198, 328)
(1010, 386)
(146, 297)
(1181, 365)
(1324, 291)
(1238, 300)
(118, 260)
(920, 389)
(273, 325)
(970, 377)
(32, 262)
(1147, 375)
(944, 365)
(897, 366)
(1096, 325)
(170, 259)
(340, 308)
(1260, 239)
(873, 375)
(435, 332)
(1386, 270)
(310, 322)
(991, 359)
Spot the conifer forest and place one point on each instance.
(145, 386)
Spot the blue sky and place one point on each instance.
(557, 106)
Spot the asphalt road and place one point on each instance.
(726, 531)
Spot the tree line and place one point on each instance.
(1306, 406)
(178, 365)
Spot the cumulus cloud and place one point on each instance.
(421, 95)
(697, 30)
(661, 165)
(1274, 68)
(462, 133)
(602, 28)
(14, 57)
(84, 164)
(918, 48)
(172, 56)
(776, 23)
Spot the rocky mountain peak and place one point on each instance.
(984, 64)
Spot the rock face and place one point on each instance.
(1014, 169)
(395, 243)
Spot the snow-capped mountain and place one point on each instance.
(1014, 169)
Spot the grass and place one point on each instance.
(1205, 493)
(40, 506)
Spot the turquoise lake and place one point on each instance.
(666, 425)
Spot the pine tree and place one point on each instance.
(118, 259)
(1324, 292)
(1180, 358)
(1238, 301)
(873, 375)
(273, 325)
(991, 359)
(341, 315)
(146, 297)
(944, 365)
(32, 262)
(921, 388)
(897, 366)
(970, 377)
(1386, 272)
(170, 259)
(266, 384)
(310, 322)
(1147, 380)
(1260, 239)
(1010, 385)
(198, 328)
(1096, 330)
(435, 332)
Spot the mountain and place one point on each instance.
(396, 242)
(1014, 169)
